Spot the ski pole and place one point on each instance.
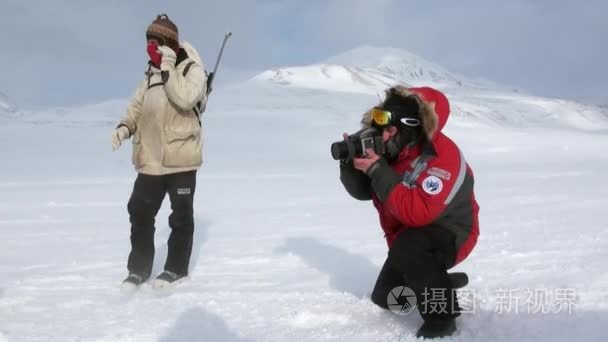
(217, 63)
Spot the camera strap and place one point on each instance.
(420, 164)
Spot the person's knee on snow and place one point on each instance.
(388, 279)
(379, 296)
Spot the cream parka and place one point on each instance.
(162, 117)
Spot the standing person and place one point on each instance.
(163, 121)
(422, 188)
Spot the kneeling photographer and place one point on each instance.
(423, 190)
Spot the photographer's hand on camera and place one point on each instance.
(382, 178)
(367, 164)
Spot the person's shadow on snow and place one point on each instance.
(348, 272)
(196, 324)
(201, 233)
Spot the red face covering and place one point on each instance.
(155, 56)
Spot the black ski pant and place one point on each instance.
(419, 259)
(146, 199)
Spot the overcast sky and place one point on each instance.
(62, 52)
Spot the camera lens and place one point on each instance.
(339, 150)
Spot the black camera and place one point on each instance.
(357, 144)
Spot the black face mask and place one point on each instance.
(408, 136)
(411, 135)
(393, 148)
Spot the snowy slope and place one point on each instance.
(329, 77)
(281, 253)
(98, 114)
(370, 69)
(521, 110)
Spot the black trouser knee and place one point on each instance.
(388, 279)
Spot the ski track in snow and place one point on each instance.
(281, 253)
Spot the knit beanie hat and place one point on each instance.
(163, 29)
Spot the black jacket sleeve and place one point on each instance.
(356, 183)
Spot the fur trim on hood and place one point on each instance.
(434, 108)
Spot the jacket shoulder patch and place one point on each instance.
(441, 173)
(432, 185)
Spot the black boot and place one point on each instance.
(458, 279)
(437, 328)
(167, 280)
(132, 282)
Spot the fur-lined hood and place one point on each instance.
(434, 108)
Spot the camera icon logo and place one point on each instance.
(401, 300)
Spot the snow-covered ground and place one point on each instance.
(281, 253)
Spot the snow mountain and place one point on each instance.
(369, 70)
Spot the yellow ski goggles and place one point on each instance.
(382, 118)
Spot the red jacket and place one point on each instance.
(446, 180)
(442, 193)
